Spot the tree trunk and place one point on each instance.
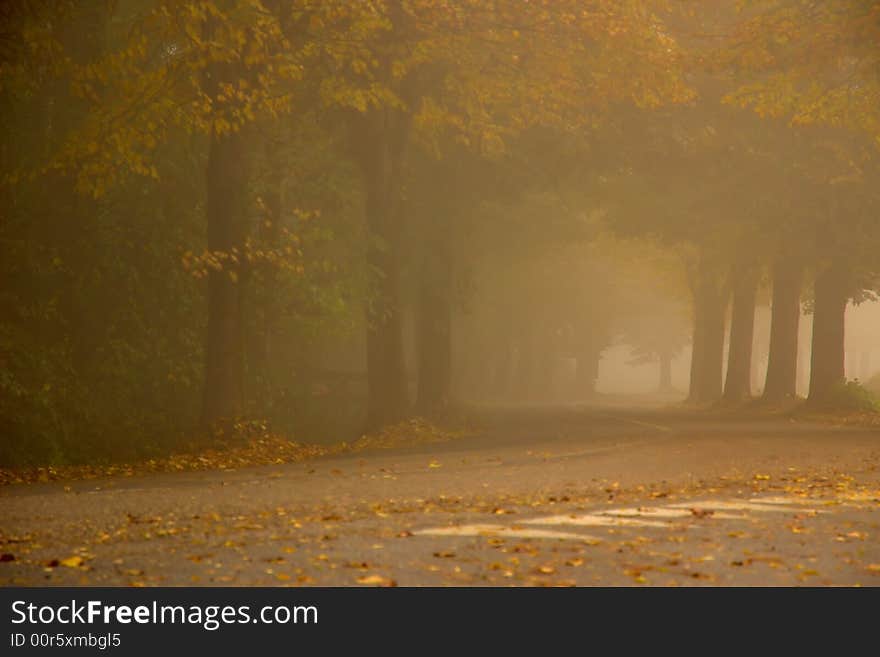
(698, 351)
(435, 327)
(386, 368)
(781, 380)
(587, 371)
(738, 385)
(803, 366)
(502, 371)
(665, 384)
(527, 364)
(271, 236)
(714, 354)
(264, 307)
(546, 369)
(707, 362)
(225, 209)
(827, 356)
(380, 138)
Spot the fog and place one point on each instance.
(317, 220)
(432, 293)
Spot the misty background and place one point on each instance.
(315, 219)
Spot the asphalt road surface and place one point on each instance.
(539, 496)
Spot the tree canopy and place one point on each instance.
(227, 214)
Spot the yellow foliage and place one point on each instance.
(475, 69)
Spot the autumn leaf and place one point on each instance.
(376, 580)
(72, 562)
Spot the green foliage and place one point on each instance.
(851, 396)
(101, 334)
(102, 324)
(873, 385)
(520, 154)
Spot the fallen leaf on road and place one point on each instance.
(72, 562)
(699, 575)
(376, 580)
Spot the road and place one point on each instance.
(539, 496)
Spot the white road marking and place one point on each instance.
(733, 505)
(593, 520)
(630, 517)
(782, 500)
(663, 512)
(503, 531)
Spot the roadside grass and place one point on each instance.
(850, 403)
(232, 453)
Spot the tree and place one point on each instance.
(479, 69)
(809, 61)
(196, 67)
(847, 266)
(738, 382)
(814, 63)
(786, 311)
